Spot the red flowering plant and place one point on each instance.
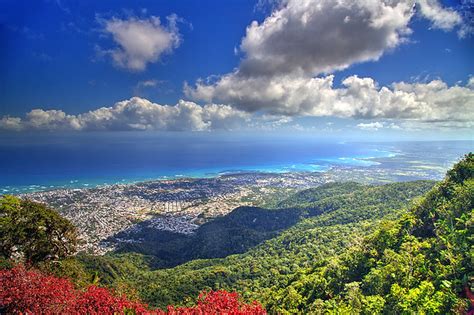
(219, 302)
(97, 300)
(24, 291)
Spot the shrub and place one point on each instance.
(24, 291)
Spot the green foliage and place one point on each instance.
(306, 197)
(246, 227)
(416, 264)
(34, 232)
(352, 250)
(336, 249)
(242, 229)
(281, 271)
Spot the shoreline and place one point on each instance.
(317, 166)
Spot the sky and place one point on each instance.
(359, 67)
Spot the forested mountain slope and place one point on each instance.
(246, 227)
(359, 252)
(421, 263)
(401, 248)
(331, 218)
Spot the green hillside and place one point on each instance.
(332, 218)
(355, 249)
(419, 263)
(342, 248)
(246, 227)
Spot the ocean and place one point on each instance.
(48, 161)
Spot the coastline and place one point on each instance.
(318, 165)
(181, 203)
(397, 161)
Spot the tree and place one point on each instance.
(34, 232)
(219, 302)
(26, 291)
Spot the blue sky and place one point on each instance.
(59, 55)
(51, 52)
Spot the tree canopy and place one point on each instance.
(33, 232)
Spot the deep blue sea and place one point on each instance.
(39, 162)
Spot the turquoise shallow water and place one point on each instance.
(93, 181)
(42, 162)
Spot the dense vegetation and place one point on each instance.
(330, 223)
(234, 233)
(33, 231)
(32, 292)
(339, 248)
(246, 227)
(420, 263)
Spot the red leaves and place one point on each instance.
(31, 292)
(100, 301)
(219, 302)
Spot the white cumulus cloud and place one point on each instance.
(148, 83)
(434, 101)
(140, 41)
(133, 114)
(287, 58)
(313, 37)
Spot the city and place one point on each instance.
(182, 205)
